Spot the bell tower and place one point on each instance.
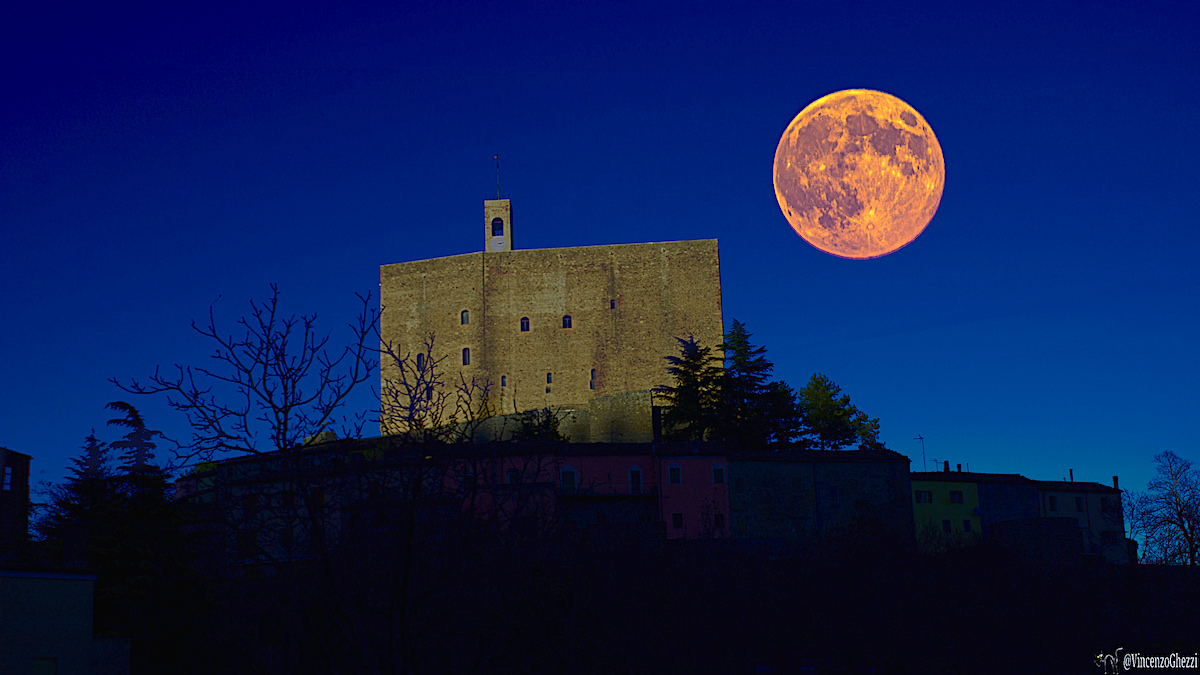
(497, 225)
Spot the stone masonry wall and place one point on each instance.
(627, 303)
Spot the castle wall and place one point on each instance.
(627, 303)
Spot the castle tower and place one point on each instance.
(497, 225)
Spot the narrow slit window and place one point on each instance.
(420, 362)
(612, 304)
(549, 378)
(466, 356)
(566, 320)
(592, 381)
(524, 324)
(503, 380)
(464, 318)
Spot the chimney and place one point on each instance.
(1072, 474)
(959, 468)
(946, 466)
(1115, 485)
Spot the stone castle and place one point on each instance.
(581, 330)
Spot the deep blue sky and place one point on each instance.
(155, 159)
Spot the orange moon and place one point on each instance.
(859, 174)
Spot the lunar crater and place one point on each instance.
(858, 174)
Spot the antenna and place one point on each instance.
(924, 465)
(497, 158)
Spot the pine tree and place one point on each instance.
(693, 401)
(137, 444)
(831, 422)
(746, 395)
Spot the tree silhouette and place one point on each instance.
(694, 399)
(1167, 515)
(279, 377)
(137, 444)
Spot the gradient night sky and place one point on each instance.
(155, 159)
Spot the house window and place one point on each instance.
(566, 321)
(466, 356)
(924, 496)
(8, 473)
(420, 363)
(719, 474)
(946, 526)
(635, 481)
(1054, 503)
(524, 324)
(956, 497)
(719, 521)
(567, 479)
(1108, 537)
(592, 382)
(497, 227)
(429, 393)
(549, 377)
(966, 526)
(514, 476)
(1079, 503)
(674, 474)
(612, 304)
(503, 380)
(677, 521)
(464, 318)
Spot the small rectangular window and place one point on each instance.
(956, 497)
(946, 526)
(503, 380)
(719, 474)
(514, 476)
(612, 304)
(635, 481)
(966, 526)
(567, 476)
(549, 377)
(674, 475)
(677, 521)
(1053, 503)
(924, 496)
(8, 475)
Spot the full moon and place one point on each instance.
(859, 174)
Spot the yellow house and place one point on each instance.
(945, 510)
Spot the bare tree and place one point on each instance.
(279, 378)
(417, 403)
(1168, 514)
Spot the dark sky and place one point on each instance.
(158, 158)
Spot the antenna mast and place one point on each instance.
(497, 158)
(924, 466)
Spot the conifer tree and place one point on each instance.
(746, 395)
(692, 411)
(831, 422)
(137, 444)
